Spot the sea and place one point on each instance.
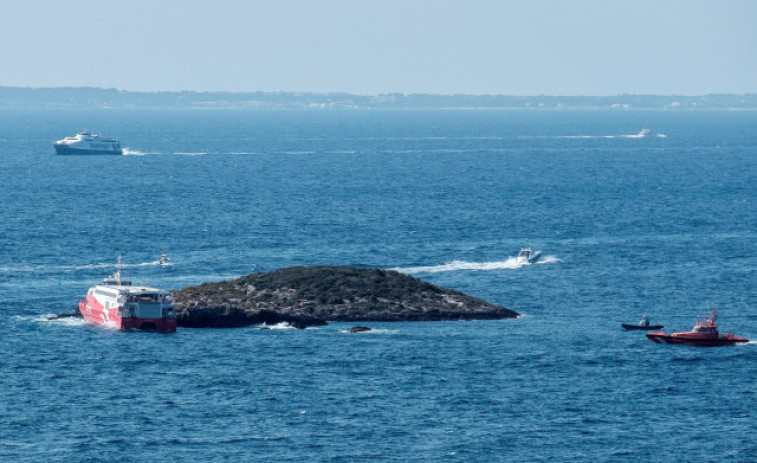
(633, 211)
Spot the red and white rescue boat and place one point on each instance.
(704, 333)
(118, 304)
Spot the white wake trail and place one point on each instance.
(510, 263)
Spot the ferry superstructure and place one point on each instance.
(88, 143)
(116, 303)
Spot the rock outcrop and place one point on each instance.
(306, 296)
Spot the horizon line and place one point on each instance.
(339, 92)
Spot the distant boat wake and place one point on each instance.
(373, 331)
(69, 268)
(511, 263)
(643, 133)
(131, 152)
(66, 319)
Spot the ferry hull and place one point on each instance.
(94, 312)
(65, 149)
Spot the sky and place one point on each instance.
(369, 47)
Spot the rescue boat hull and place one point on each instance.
(692, 340)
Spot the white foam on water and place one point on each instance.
(52, 319)
(278, 326)
(372, 331)
(151, 263)
(511, 263)
(43, 268)
(70, 321)
(458, 265)
(131, 152)
(54, 268)
(643, 133)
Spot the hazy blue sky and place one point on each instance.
(581, 47)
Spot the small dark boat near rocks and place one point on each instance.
(643, 324)
(359, 329)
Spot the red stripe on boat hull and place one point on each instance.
(723, 340)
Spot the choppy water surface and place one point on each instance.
(634, 211)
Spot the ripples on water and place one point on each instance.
(628, 223)
(473, 390)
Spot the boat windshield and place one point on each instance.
(704, 329)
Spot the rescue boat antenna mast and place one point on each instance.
(119, 266)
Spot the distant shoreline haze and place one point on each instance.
(91, 97)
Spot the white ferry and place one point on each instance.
(88, 143)
(118, 304)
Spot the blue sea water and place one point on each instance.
(634, 211)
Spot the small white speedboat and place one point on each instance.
(527, 256)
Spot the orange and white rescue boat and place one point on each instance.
(704, 333)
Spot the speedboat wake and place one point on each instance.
(511, 263)
(643, 133)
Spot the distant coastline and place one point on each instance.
(91, 97)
